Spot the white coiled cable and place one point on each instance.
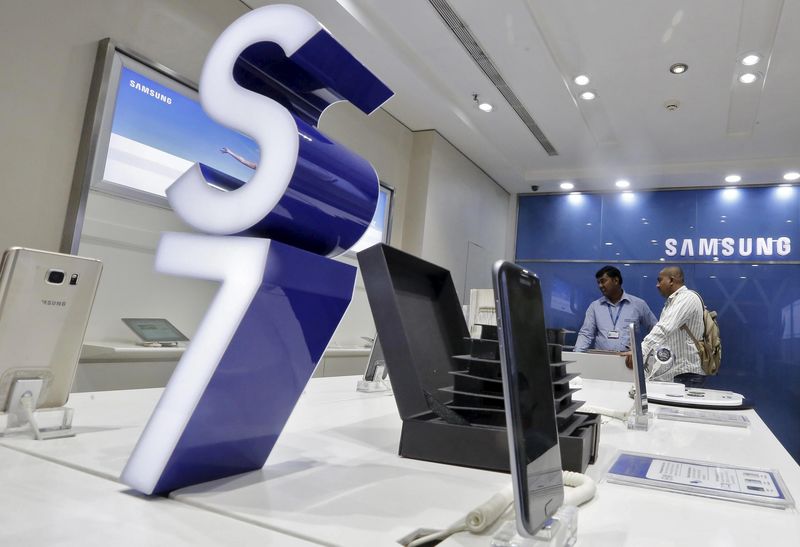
(485, 514)
(583, 488)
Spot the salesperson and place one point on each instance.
(608, 317)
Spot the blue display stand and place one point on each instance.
(266, 366)
(270, 75)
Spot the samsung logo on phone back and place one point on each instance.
(61, 303)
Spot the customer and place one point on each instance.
(606, 324)
(669, 352)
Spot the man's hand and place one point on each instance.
(628, 359)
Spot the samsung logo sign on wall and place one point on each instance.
(729, 246)
(150, 91)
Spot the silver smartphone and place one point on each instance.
(45, 301)
(528, 389)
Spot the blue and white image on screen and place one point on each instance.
(157, 133)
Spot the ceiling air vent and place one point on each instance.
(470, 43)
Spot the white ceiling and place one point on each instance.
(626, 47)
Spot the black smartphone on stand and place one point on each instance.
(638, 419)
(528, 392)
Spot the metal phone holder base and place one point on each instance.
(559, 531)
(49, 423)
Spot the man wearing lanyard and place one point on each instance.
(607, 319)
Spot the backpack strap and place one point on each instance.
(702, 302)
(685, 327)
(695, 340)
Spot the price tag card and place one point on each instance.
(710, 479)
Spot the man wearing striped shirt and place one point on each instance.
(678, 359)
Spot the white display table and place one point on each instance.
(44, 504)
(335, 477)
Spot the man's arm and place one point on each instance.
(649, 319)
(671, 320)
(237, 157)
(586, 334)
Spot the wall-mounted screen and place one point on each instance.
(158, 132)
(145, 127)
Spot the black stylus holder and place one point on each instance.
(448, 386)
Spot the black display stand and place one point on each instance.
(448, 386)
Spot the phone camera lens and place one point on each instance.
(55, 277)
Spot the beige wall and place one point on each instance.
(443, 204)
(460, 215)
(47, 52)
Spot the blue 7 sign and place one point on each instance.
(270, 75)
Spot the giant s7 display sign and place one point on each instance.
(270, 75)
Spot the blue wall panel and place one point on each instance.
(757, 296)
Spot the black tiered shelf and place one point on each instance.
(477, 393)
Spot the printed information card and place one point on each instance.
(710, 479)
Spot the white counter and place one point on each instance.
(45, 504)
(123, 364)
(598, 366)
(335, 478)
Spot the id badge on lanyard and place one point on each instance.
(613, 334)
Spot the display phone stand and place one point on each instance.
(638, 421)
(379, 381)
(49, 423)
(559, 531)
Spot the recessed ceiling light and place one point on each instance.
(679, 68)
(481, 104)
(791, 176)
(751, 59)
(748, 78)
(566, 185)
(588, 95)
(622, 183)
(581, 79)
(733, 179)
